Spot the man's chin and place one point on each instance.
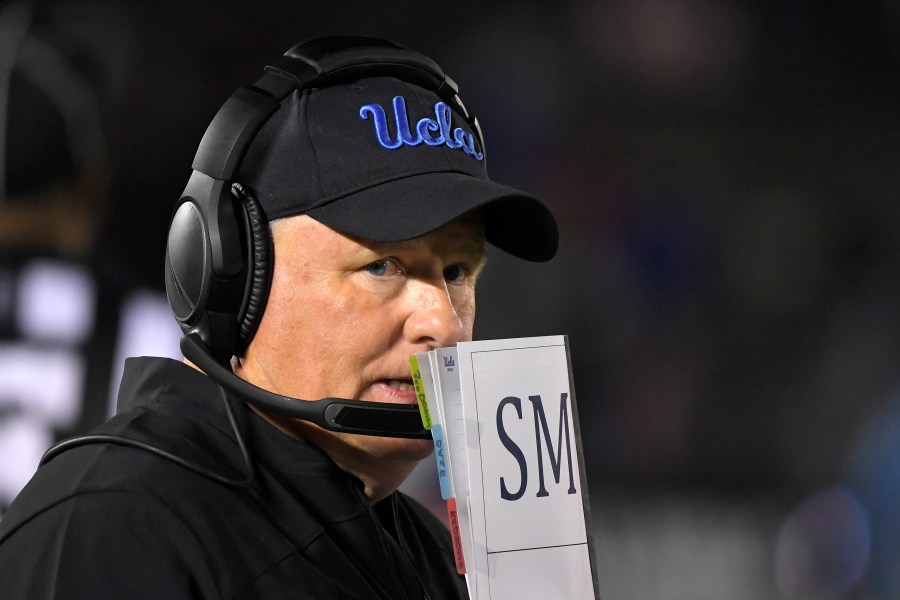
(363, 447)
(399, 449)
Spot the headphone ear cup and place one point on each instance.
(260, 267)
(187, 265)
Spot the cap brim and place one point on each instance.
(414, 206)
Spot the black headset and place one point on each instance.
(219, 251)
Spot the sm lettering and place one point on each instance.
(540, 427)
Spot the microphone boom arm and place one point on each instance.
(334, 414)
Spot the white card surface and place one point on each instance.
(507, 440)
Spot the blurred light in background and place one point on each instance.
(823, 547)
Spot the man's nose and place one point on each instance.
(434, 320)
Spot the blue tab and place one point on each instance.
(443, 461)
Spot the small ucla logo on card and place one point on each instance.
(432, 132)
(449, 362)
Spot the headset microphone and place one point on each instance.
(334, 414)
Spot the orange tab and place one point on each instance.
(454, 534)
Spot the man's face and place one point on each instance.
(344, 315)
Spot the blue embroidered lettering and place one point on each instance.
(381, 127)
(403, 131)
(433, 132)
(424, 126)
(469, 144)
(442, 114)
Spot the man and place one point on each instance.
(214, 488)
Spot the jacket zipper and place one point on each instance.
(395, 511)
(385, 547)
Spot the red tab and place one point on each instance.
(454, 533)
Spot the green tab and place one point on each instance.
(420, 391)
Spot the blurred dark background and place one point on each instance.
(726, 178)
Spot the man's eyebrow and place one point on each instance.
(473, 249)
(470, 248)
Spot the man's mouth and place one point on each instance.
(399, 390)
(403, 386)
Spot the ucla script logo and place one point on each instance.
(433, 132)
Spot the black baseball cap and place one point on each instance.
(384, 159)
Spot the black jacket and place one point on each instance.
(105, 520)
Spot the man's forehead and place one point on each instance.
(463, 236)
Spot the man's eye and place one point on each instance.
(381, 268)
(454, 273)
